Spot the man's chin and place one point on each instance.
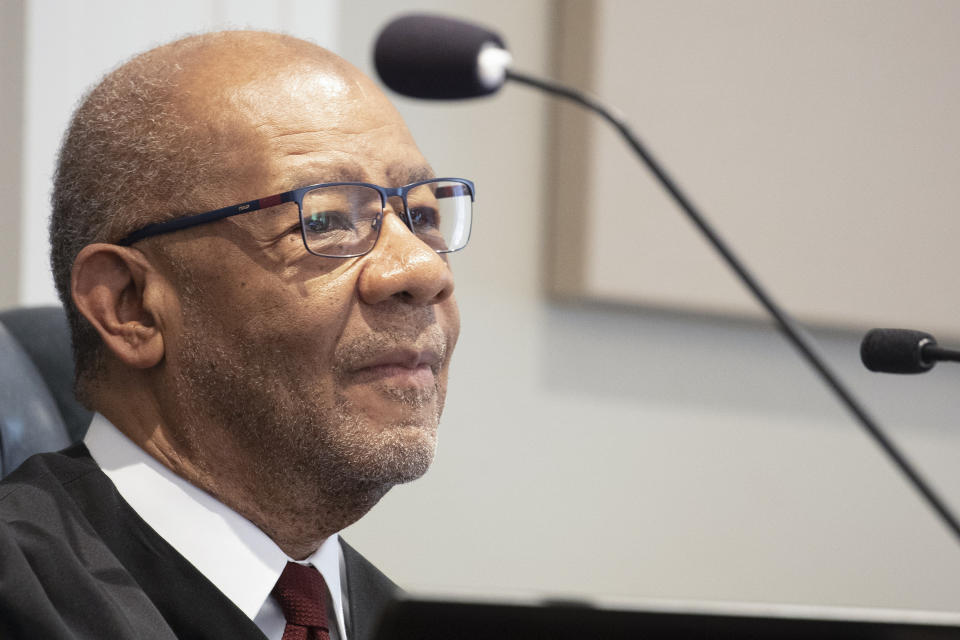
(396, 454)
(385, 435)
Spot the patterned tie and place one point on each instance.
(301, 593)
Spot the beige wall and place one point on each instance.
(821, 137)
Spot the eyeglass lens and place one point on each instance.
(344, 220)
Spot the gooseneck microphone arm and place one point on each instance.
(941, 355)
(784, 322)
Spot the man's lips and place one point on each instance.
(400, 366)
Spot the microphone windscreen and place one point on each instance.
(427, 56)
(896, 350)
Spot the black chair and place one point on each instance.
(38, 411)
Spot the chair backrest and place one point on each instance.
(38, 411)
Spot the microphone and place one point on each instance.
(427, 56)
(902, 351)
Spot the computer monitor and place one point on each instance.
(421, 619)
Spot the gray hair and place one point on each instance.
(131, 156)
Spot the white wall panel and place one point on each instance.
(70, 45)
(11, 137)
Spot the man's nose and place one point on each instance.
(403, 266)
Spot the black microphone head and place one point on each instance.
(896, 350)
(428, 56)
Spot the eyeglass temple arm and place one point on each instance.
(158, 228)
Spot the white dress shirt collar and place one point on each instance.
(235, 555)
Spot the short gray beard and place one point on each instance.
(298, 453)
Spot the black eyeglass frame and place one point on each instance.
(297, 195)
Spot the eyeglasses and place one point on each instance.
(343, 219)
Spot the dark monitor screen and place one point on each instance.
(439, 620)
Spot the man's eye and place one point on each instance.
(424, 217)
(327, 221)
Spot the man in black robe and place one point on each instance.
(263, 370)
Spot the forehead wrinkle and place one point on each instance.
(351, 171)
(345, 171)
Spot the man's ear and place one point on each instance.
(114, 288)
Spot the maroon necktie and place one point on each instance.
(301, 593)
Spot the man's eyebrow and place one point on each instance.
(406, 175)
(341, 173)
(397, 176)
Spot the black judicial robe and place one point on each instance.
(76, 561)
